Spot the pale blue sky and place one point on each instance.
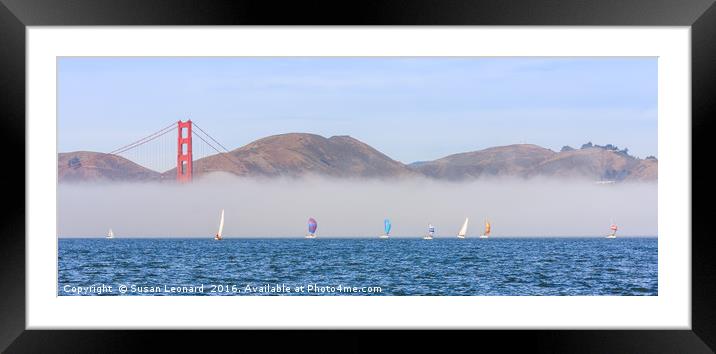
(411, 109)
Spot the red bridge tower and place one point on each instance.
(184, 158)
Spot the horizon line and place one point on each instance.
(340, 237)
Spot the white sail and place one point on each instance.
(463, 229)
(221, 224)
(110, 234)
(431, 232)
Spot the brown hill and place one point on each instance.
(597, 163)
(646, 170)
(531, 160)
(299, 154)
(96, 166)
(511, 160)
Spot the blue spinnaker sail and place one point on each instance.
(387, 226)
(312, 225)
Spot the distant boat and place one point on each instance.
(614, 231)
(463, 229)
(386, 229)
(486, 234)
(110, 234)
(221, 227)
(312, 226)
(431, 232)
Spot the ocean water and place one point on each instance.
(358, 267)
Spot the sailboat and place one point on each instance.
(221, 227)
(614, 231)
(386, 228)
(312, 226)
(110, 234)
(431, 232)
(463, 229)
(486, 234)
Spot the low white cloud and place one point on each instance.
(356, 208)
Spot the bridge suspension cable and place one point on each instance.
(158, 151)
(225, 153)
(144, 140)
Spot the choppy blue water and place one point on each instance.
(497, 266)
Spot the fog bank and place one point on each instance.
(356, 208)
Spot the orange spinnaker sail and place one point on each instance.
(487, 227)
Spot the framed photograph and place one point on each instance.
(506, 170)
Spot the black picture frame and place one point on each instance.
(16, 15)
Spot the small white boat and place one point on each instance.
(386, 228)
(486, 234)
(312, 226)
(110, 234)
(463, 229)
(614, 231)
(221, 227)
(431, 232)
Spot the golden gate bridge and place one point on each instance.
(162, 151)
